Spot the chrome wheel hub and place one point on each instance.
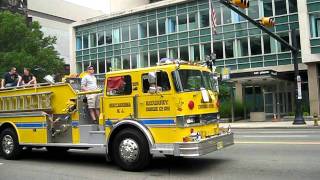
(7, 144)
(129, 150)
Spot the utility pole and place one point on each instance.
(265, 21)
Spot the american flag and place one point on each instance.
(213, 18)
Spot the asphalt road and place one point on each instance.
(257, 154)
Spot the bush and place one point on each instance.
(225, 109)
(306, 114)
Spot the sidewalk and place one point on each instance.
(268, 125)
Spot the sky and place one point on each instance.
(93, 4)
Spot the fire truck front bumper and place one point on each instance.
(195, 148)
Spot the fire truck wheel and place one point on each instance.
(130, 150)
(10, 148)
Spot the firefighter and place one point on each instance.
(89, 83)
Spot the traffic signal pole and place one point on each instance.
(294, 50)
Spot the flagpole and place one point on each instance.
(211, 23)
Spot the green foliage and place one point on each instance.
(306, 114)
(26, 46)
(224, 91)
(225, 109)
(291, 114)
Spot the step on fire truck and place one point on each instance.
(170, 109)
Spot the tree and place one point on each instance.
(23, 45)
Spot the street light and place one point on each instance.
(268, 22)
(241, 3)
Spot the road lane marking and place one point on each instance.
(1, 163)
(274, 136)
(279, 142)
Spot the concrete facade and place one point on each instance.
(55, 18)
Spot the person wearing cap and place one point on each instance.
(89, 83)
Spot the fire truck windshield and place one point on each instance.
(193, 80)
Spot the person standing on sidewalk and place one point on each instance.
(89, 83)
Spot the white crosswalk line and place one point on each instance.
(1, 163)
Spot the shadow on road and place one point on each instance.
(183, 166)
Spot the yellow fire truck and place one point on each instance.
(170, 109)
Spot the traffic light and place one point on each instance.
(241, 3)
(267, 21)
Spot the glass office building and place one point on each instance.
(140, 37)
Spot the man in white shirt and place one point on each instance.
(89, 83)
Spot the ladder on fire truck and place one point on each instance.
(26, 102)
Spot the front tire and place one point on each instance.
(10, 148)
(130, 150)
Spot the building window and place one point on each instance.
(101, 38)
(204, 19)
(173, 53)
(255, 45)
(126, 62)
(102, 67)
(143, 60)
(152, 28)
(125, 33)
(172, 25)
(93, 39)
(116, 63)
(285, 36)
(78, 43)
(205, 50)
(182, 21)
(266, 44)
(109, 36)
(315, 25)
(162, 53)
(134, 61)
(184, 53)
(253, 11)
(193, 21)
(153, 58)
(161, 26)
(229, 48)
(108, 65)
(235, 17)
(143, 30)
(85, 41)
(267, 7)
(280, 7)
(194, 53)
(292, 6)
(134, 32)
(79, 67)
(242, 47)
(218, 49)
(115, 35)
(226, 16)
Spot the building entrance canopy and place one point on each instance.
(266, 92)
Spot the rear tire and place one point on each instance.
(130, 150)
(10, 148)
